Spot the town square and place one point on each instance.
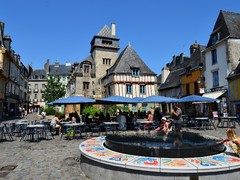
(148, 93)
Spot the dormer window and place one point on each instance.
(215, 38)
(86, 68)
(135, 71)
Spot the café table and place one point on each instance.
(229, 120)
(75, 127)
(36, 129)
(204, 121)
(110, 126)
(143, 123)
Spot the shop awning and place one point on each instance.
(214, 94)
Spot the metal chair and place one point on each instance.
(77, 130)
(95, 128)
(121, 119)
(7, 132)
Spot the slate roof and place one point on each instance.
(59, 70)
(196, 58)
(127, 60)
(173, 79)
(235, 73)
(228, 24)
(38, 72)
(106, 32)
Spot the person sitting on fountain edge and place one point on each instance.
(165, 126)
(233, 141)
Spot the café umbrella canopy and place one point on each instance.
(158, 99)
(115, 99)
(74, 100)
(196, 98)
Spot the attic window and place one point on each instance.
(86, 68)
(135, 71)
(106, 42)
(215, 38)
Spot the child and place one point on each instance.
(165, 127)
(233, 141)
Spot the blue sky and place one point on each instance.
(62, 30)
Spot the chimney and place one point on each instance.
(7, 42)
(193, 48)
(1, 33)
(56, 64)
(181, 58)
(165, 73)
(46, 66)
(113, 29)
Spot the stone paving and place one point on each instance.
(54, 158)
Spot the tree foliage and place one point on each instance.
(54, 89)
(92, 110)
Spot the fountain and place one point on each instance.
(144, 155)
(173, 145)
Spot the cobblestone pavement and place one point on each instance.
(54, 158)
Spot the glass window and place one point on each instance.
(187, 89)
(214, 56)
(106, 42)
(35, 96)
(85, 85)
(215, 78)
(35, 86)
(107, 61)
(135, 72)
(86, 68)
(129, 89)
(142, 89)
(215, 38)
(195, 88)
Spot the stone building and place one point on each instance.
(105, 73)
(86, 76)
(222, 56)
(38, 80)
(36, 87)
(13, 79)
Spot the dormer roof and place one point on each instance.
(127, 60)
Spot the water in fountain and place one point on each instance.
(173, 145)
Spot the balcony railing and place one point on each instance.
(29, 90)
(35, 100)
(42, 100)
(42, 90)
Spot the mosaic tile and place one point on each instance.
(177, 165)
(144, 163)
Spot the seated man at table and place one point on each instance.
(55, 123)
(149, 117)
(72, 118)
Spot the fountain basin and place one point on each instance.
(173, 145)
(101, 163)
